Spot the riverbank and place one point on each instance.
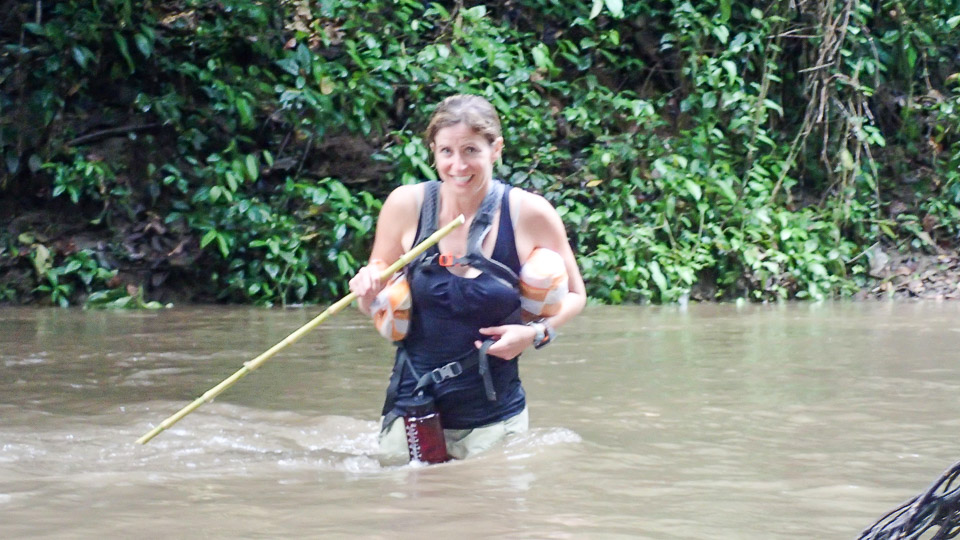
(57, 257)
(914, 275)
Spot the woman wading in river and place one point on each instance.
(465, 313)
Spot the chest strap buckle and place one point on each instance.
(446, 260)
(448, 371)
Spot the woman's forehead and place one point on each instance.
(458, 134)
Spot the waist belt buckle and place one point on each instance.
(448, 371)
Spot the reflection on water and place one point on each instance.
(789, 421)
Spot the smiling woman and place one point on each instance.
(464, 157)
(466, 333)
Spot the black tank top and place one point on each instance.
(448, 311)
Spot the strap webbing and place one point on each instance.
(449, 370)
(456, 367)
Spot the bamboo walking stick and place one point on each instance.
(251, 365)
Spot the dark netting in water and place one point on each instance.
(932, 515)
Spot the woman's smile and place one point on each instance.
(464, 157)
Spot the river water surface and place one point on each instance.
(797, 421)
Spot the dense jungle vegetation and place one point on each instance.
(238, 150)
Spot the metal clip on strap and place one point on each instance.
(438, 375)
(448, 371)
(455, 368)
(446, 260)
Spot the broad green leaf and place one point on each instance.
(143, 45)
(253, 169)
(731, 69)
(597, 6)
(222, 244)
(124, 49)
(846, 159)
(615, 7)
(722, 33)
(657, 276)
(81, 55)
(817, 269)
(727, 189)
(246, 114)
(709, 100)
(207, 238)
(770, 104)
(686, 274)
(911, 57)
(231, 180)
(540, 56)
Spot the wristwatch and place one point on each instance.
(544, 335)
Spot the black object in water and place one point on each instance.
(935, 511)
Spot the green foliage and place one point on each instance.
(707, 149)
(120, 299)
(271, 256)
(78, 273)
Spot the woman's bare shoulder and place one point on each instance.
(397, 223)
(403, 203)
(405, 196)
(528, 207)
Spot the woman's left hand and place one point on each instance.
(509, 340)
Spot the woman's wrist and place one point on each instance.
(544, 334)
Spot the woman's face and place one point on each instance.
(464, 159)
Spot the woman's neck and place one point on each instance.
(453, 203)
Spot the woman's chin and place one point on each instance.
(459, 180)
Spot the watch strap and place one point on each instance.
(544, 333)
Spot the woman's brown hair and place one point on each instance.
(474, 111)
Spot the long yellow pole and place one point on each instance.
(251, 365)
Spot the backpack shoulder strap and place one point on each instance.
(483, 221)
(428, 211)
(479, 229)
(428, 219)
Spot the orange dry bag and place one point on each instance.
(391, 308)
(543, 284)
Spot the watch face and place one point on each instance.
(541, 338)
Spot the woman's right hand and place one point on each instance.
(367, 283)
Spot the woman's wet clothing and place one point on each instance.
(448, 311)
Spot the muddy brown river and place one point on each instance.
(707, 422)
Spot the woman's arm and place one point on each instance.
(537, 225)
(541, 227)
(396, 226)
